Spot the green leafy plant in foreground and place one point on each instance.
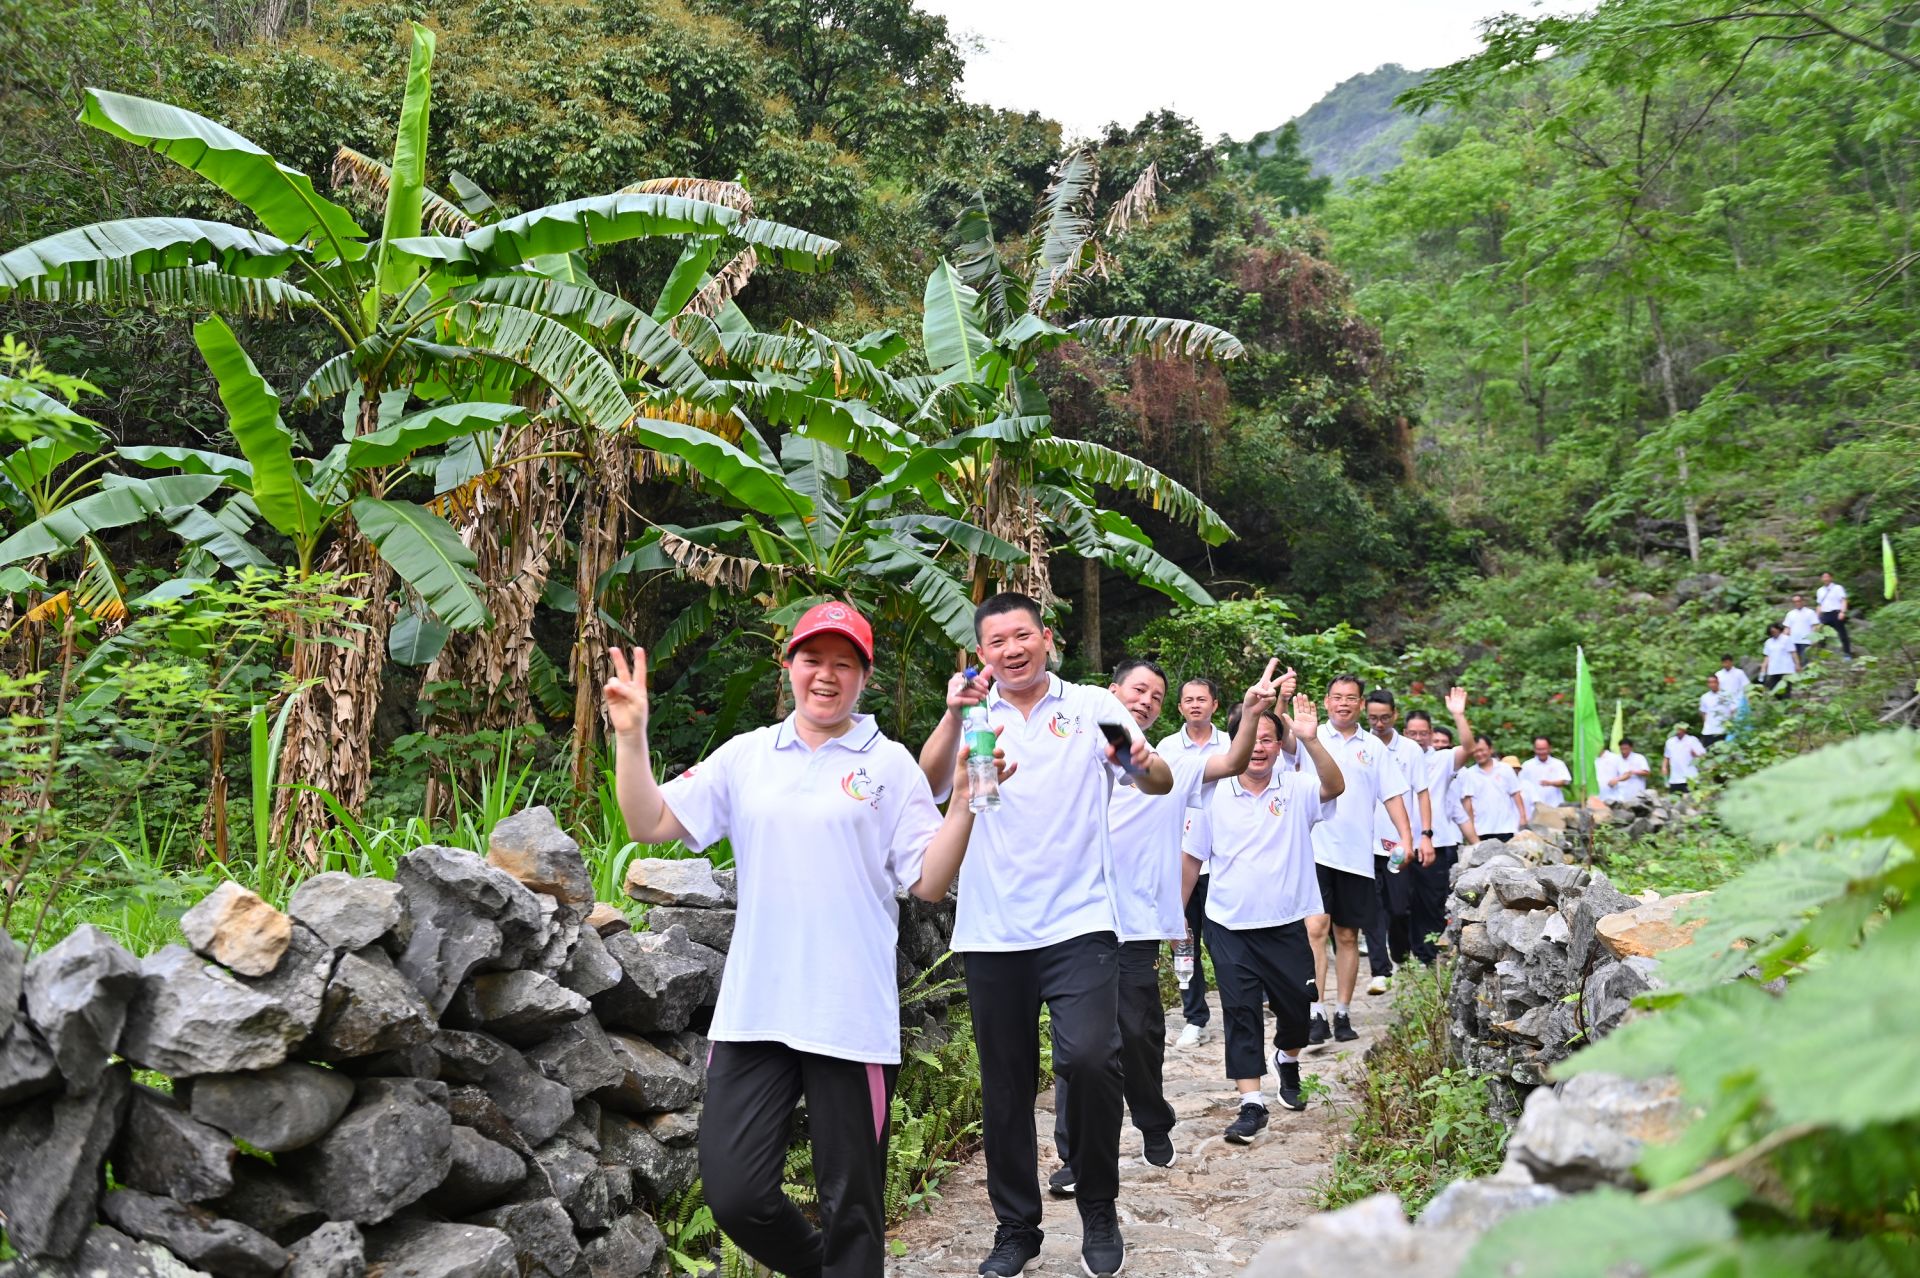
(1802, 1158)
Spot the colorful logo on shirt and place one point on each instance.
(1277, 805)
(1361, 755)
(1060, 725)
(857, 785)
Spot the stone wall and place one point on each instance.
(473, 1070)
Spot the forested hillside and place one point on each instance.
(1360, 128)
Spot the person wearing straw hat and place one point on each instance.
(828, 819)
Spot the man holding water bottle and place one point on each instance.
(1037, 925)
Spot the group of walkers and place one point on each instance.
(1277, 844)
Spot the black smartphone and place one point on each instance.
(1122, 742)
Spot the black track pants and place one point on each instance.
(1078, 981)
(1270, 965)
(1193, 999)
(1143, 1048)
(744, 1129)
(1387, 934)
(1428, 915)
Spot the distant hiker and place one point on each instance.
(1733, 680)
(1542, 777)
(1429, 881)
(1266, 884)
(1607, 770)
(1717, 709)
(1631, 781)
(1831, 600)
(1343, 848)
(1782, 657)
(828, 819)
(1491, 793)
(1389, 938)
(1679, 761)
(1199, 702)
(1800, 621)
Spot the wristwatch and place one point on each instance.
(1428, 833)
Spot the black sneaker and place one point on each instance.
(1102, 1254)
(1289, 1072)
(1159, 1148)
(1343, 1029)
(1062, 1183)
(1243, 1129)
(1013, 1250)
(1317, 1032)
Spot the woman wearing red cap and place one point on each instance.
(828, 820)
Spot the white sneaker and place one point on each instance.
(1379, 985)
(1189, 1037)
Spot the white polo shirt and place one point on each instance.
(1440, 775)
(1800, 623)
(1492, 790)
(1178, 746)
(1147, 832)
(1736, 682)
(1542, 782)
(1628, 786)
(1346, 840)
(1780, 654)
(1609, 768)
(822, 839)
(1261, 851)
(1680, 754)
(1413, 766)
(1039, 870)
(1831, 597)
(1716, 712)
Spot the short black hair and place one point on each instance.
(1380, 697)
(1776, 628)
(1339, 679)
(1235, 715)
(1004, 602)
(1130, 664)
(1726, 656)
(1627, 742)
(1483, 738)
(1441, 729)
(1213, 689)
(1538, 737)
(1420, 714)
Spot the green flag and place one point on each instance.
(1886, 566)
(1619, 725)
(1586, 730)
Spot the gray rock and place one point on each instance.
(1370, 1239)
(233, 926)
(676, 881)
(192, 1017)
(1515, 932)
(589, 969)
(532, 847)
(51, 1157)
(481, 1173)
(520, 1007)
(107, 1253)
(278, 1110)
(1479, 1205)
(392, 1147)
(676, 941)
(579, 1058)
(542, 1234)
(1590, 1131)
(659, 1171)
(465, 1057)
(1517, 888)
(335, 1250)
(583, 1129)
(370, 1007)
(1476, 944)
(607, 919)
(1608, 996)
(1561, 881)
(267, 1199)
(27, 1067)
(299, 984)
(658, 991)
(467, 916)
(536, 1104)
(1598, 901)
(651, 1080)
(1555, 930)
(711, 928)
(163, 1150)
(472, 1107)
(676, 1129)
(729, 882)
(1697, 585)
(629, 1248)
(434, 1249)
(1475, 881)
(77, 995)
(593, 1194)
(195, 1234)
(13, 972)
(351, 914)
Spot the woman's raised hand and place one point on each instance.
(626, 694)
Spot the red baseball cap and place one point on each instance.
(834, 618)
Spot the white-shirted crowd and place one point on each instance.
(1284, 845)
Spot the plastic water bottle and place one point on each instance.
(1396, 859)
(983, 783)
(1183, 959)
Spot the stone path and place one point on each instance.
(1206, 1214)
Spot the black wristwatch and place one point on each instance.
(1428, 833)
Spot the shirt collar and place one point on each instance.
(859, 736)
(1188, 743)
(1240, 790)
(1056, 688)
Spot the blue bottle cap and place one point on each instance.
(971, 673)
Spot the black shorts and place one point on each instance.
(1350, 899)
(1712, 739)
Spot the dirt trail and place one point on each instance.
(1206, 1214)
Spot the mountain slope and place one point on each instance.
(1355, 130)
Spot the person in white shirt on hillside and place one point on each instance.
(1831, 601)
(1389, 934)
(1199, 702)
(1680, 760)
(1800, 621)
(1146, 831)
(1717, 709)
(1428, 882)
(1542, 777)
(1733, 680)
(1266, 885)
(828, 819)
(1782, 659)
(1607, 770)
(1037, 924)
(1631, 780)
(1491, 793)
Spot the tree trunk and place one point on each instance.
(328, 742)
(1090, 612)
(610, 475)
(1670, 389)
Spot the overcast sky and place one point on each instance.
(1233, 66)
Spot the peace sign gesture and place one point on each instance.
(626, 694)
(1262, 694)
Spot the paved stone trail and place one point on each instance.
(1209, 1212)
